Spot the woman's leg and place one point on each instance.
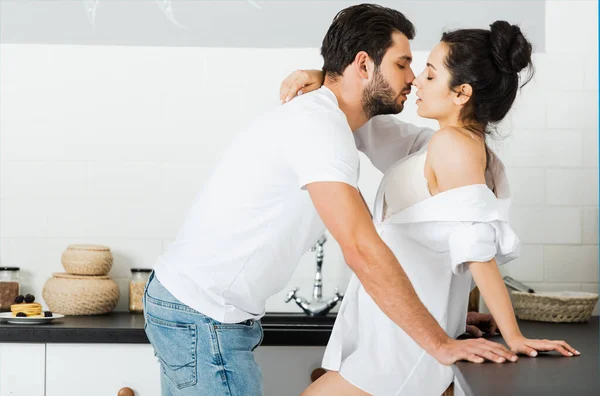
(333, 384)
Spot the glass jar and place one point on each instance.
(137, 285)
(9, 287)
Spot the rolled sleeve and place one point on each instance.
(481, 242)
(471, 242)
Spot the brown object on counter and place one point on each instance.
(137, 287)
(87, 259)
(126, 392)
(80, 295)
(474, 300)
(8, 292)
(554, 306)
(136, 294)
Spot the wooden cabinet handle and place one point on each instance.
(126, 392)
(316, 373)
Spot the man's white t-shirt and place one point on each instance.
(247, 230)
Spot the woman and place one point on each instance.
(443, 211)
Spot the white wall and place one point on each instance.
(109, 145)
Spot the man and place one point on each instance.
(289, 176)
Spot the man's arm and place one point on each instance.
(344, 214)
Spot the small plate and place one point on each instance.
(7, 317)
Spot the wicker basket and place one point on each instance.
(87, 259)
(554, 307)
(80, 295)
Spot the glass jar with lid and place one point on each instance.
(137, 285)
(9, 287)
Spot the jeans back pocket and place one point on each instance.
(175, 346)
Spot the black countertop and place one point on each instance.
(289, 329)
(548, 373)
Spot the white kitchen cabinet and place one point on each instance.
(104, 369)
(22, 369)
(286, 370)
(101, 369)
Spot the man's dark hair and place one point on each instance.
(364, 27)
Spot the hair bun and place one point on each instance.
(510, 48)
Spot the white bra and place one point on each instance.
(406, 185)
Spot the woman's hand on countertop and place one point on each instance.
(531, 347)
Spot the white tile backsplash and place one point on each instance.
(590, 149)
(43, 179)
(522, 148)
(590, 72)
(529, 111)
(20, 253)
(572, 186)
(572, 110)
(549, 66)
(165, 244)
(23, 218)
(124, 180)
(527, 185)
(529, 267)
(547, 225)
(186, 177)
(570, 263)
(590, 288)
(543, 148)
(152, 217)
(562, 147)
(15, 146)
(590, 225)
(109, 145)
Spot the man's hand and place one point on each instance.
(476, 351)
(479, 323)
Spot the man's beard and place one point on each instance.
(379, 98)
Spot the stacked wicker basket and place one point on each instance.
(85, 289)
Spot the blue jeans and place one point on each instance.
(197, 354)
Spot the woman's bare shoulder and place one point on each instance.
(456, 158)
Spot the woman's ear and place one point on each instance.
(462, 94)
(364, 65)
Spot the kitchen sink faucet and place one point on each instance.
(317, 306)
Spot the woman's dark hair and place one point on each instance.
(489, 61)
(363, 27)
